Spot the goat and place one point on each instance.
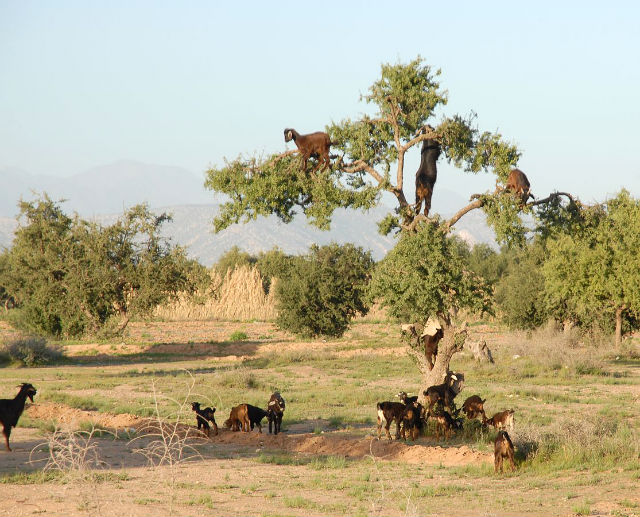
(518, 183)
(387, 413)
(445, 423)
(444, 392)
(503, 448)
(429, 336)
(412, 419)
(406, 400)
(314, 144)
(203, 417)
(501, 420)
(256, 414)
(238, 419)
(275, 411)
(473, 407)
(427, 173)
(11, 409)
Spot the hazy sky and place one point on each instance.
(84, 84)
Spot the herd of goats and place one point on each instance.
(409, 415)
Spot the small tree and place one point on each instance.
(425, 274)
(322, 291)
(72, 277)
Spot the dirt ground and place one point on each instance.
(146, 468)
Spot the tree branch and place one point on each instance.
(551, 197)
(478, 203)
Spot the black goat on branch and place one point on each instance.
(427, 173)
(314, 145)
(11, 409)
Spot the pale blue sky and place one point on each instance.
(84, 84)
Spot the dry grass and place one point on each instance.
(237, 296)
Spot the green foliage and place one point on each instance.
(405, 98)
(593, 271)
(238, 335)
(486, 262)
(234, 258)
(322, 291)
(72, 277)
(425, 275)
(520, 293)
(272, 264)
(31, 352)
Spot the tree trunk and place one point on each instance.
(619, 312)
(452, 341)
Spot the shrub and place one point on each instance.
(238, 335)
(322, 291)
(32, 351)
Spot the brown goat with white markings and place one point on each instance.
(412, 420)
(387, 413)
(314, 144)
(503, 448)
(444, 392)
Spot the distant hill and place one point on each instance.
(103, 193)
(107, 189)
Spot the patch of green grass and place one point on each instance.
(203, 500)
(32, 478)
(238, 335)
(582, 509)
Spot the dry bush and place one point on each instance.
(238, 296)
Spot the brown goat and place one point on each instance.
(406, 399)
(275, 411)
(412, 419)
(501, 420)
(314, 144)
(518, 183)
(503, 448)
(473, 407)
(387, 413)
(238, 419)
(445, 424)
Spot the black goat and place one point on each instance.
(11, 409)
(203, 417)
(275, 411)
(314, 144)
(256, 415)
(387, 413)
(427, 173)
(406, 399)
(444, 392)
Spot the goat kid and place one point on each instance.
(11, 409)
(502, 420)
(203, 417)
(503, 448)
(412, 420)
(445, 424)
(473, 407)
(312, 145)
(406, 400)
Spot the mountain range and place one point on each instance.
(104, 192)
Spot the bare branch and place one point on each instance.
(551, 197)
(478, 203)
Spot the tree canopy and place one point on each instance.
(370, 158)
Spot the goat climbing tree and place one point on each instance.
(421, 277)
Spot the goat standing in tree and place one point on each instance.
(518, 183)
(312, 145)
(427, 173)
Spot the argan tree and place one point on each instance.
(70, 277)
(594, 271)
(370, 159)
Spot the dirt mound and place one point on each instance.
(340, 444)
(72, 417)
(336, 444)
